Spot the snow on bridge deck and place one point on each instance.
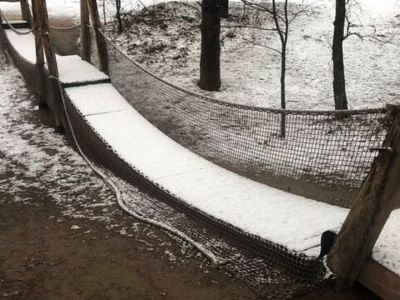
(283, 218)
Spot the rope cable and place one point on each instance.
(65, 28)
(13, 28)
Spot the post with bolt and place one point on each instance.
(379, 194)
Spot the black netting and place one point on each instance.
(324, 155)
(65, 40)
(274, 271)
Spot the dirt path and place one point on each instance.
(44, 257)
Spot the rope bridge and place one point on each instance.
(325, 156)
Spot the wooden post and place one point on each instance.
(100, 42)
(26, 12)
(41, 87)
(43, 18)
(374, 203)
(85, 32)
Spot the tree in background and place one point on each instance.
(210, 74)
(282, 19)
(118, 15)
(224, 12)
(339, 81)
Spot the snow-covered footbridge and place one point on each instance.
(109, 130)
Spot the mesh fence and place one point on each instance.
(272, 270)
(65, 40)
(324, 155)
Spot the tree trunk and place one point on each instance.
(339, 83)
(224, 8)
(283, 94)
(118, 15)
(210, 78)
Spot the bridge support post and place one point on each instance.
(100, 42)
(374, 203)
(26, 12)
(43, 43)
(41, 85)
(85, 32)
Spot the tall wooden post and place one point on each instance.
(41, 86)
(43, 19)
(100, 42)
(26, 12)
(85, 32)
(373, 205)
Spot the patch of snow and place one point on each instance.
(387, 247)
(72, 69)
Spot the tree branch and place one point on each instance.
(261, 45)
(249, 27)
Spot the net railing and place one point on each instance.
(325, 155)
(65, 39)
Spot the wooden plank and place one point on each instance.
(373, 205)
(16, 24)
(380, 280)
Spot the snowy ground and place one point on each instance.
(170, 48)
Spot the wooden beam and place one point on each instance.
(85, 32)
(100, 42)
(26, 12)
(41, 86)
(375, 201)
(51, 62)
(380, 280)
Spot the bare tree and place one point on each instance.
(282, 19)
(210, 76)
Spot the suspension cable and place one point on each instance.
(13, 28)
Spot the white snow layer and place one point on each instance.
(73, 69)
